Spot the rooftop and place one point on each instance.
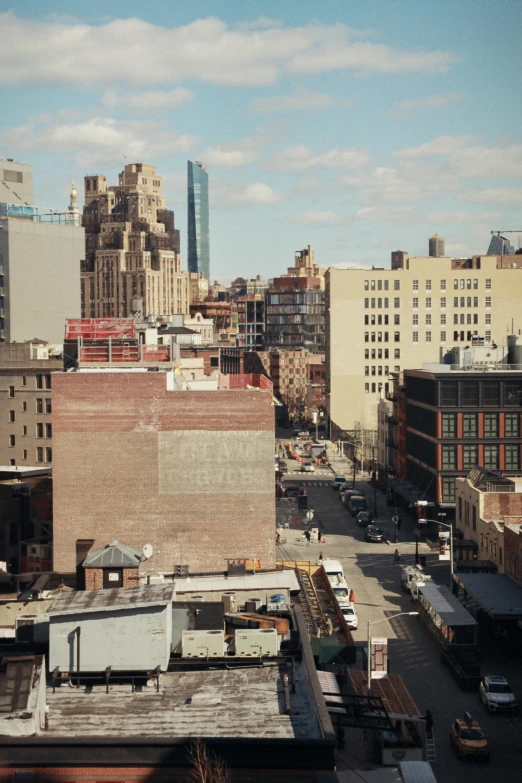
(212, 703)
(447, 606)
(263, 580)
(492, 481)
(113, 554)
(111, 600)
(391, 689)
(496, 593)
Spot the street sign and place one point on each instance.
(310, 515)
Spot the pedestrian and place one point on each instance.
(319, 535)
(397, 555)
(429, 724)
(398, 523)
(308, 536)
(278, 538)
(351, 597)
(320, 556)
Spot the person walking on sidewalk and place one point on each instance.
(308, 536)
(397, 556)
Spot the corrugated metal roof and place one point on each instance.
(113, 554)
(447, 606)
(271, 580)
(111, 600)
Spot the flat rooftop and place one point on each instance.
(497, 594)
(248, 702)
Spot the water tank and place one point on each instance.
(514, 350)
(229, 600)
(136, 304)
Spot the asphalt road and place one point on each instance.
(375, 577)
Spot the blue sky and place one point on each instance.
(359, 128)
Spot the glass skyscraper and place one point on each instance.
(198, 222)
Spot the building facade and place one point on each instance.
(251, 322)
(189, 472)
(204, 326)
(16, 182)
(26, 371)
(198, 287)
(513, 551)
(384, 453)
(132, 248)
(381, 321)
(198, 219)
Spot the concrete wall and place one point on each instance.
(133, 639)
(189, 472)
(13, 191)
(41, 278)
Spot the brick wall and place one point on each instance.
(189, 472)
(500, 504)
(513, 553)
(94, 578)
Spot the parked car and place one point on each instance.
(283, 467)
(363, 519)
(292, 492)
(496, 694)
(357, 503)
(350, 493)
(344, 486)
(336, 483)
(468, 740)
(349, 614)
(307, 466)
(374, 534)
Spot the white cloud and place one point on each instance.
(316, 217)
(237, 153)
(442, 145)
(145, 102)
(230, 194)
(302, 158)
(493, 196)
(68, 52)
(300, 101)
(411, 106)
(100, 140)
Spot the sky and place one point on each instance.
(357, 128)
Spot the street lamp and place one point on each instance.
(445, 524)
(376, 622)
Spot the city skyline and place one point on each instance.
(365, 132)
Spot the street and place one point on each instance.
(373, 574)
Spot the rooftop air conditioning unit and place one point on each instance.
(255, 642)
(155, 579)
(203, 644)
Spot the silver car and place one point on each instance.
(496, 694)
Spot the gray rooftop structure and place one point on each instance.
(496, 593)
(80, 602)
(113, 555)
(447, 606)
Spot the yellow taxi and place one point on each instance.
(468, 740)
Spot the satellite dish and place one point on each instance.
(147, 551)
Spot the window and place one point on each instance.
(373, 370)
(469, 456)
(491, 457)
(396, 319)
(475, 319)
(24, 406)
(475, 301)
(366, 302)
(39, 382)
(25, 453)
(11, 415)
(455, 301)
(491, 394)
(39, 454)
(397, 368)
(25, 430)
(373, 388)
(386, 369)
(48, 455)
(415, 319)
(474, 517)
(443, 302)
(428, 337)
(469, 425)
(373, 353)
(379, 337)
(512, 456)
(428, 319)
(24, 380)
(512, 425)
(366, 370)
(385, 285)
(366, 285)
(366, 388)
(448, 394)
(11, 391)
(468, 301)
(468, 283)
(366, 337)
(455, 318)
(386, 337)
(372, 302)
(470, 394)
(488, 284)
(379, 370)
(428, 285)
(379, 303)
(462, 319)
(396, 337)
(455, 336)
(443, 337)
(487, 337)
(372, 285)
(366, 353)
(490, 425)
(463, 301)
(455, 284)
(39, 430)
(415, 337)
(397, 285)
(397, 353)
(379, 285)
(475, 283)
(428, 302)
(386, 320)
(366, 320)
(373, 337)
(488, 301)
(39, 405)
(12, 441)
(48, 430)
(442, 285)
(379, 319)
(396, 302)
(415, 285)
(462, 283)
(415, 302)
(488, 319)
(386, 352)
(468, 318)
(443, 319)
(448, 490)
(385, 302)
(459, 515)
(448, 458)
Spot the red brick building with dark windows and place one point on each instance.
(190, 472)
(456, 420)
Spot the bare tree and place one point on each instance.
(206, 766)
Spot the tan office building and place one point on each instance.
(380, 321)
(132, 249)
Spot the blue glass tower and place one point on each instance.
(198, 222)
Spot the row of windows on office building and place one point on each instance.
(457, 336)
(458, 283)
(372, 337)
(375, 388)
(490, 423)
(470, 457)
(427, 303)
(494, 393)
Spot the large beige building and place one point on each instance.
(380, 321)
(132, 259)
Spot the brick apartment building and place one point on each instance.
(513, 551)
(191, 473)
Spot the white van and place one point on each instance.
(341, 591)
(333, 569)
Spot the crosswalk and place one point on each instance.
(309, 482)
